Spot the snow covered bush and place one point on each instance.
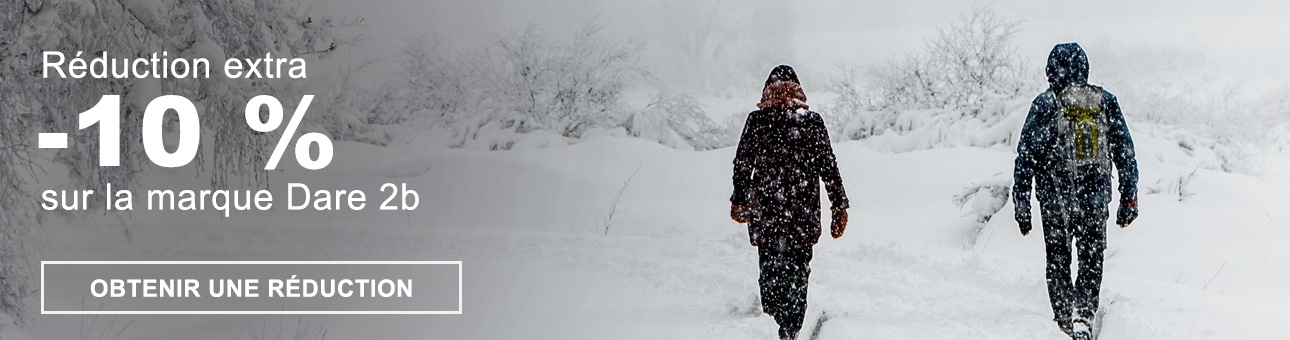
(677, 121)
(348, 109)
(431, 87)
(1279, 138)
(971, 62)
(1222, 123)
(530, 86)
(521, 83)
(982, 201)
(851, 115)
(215, 30)
(964, 89)
(536, 85)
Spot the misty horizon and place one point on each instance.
(1242, 40)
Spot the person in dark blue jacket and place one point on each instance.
(1073, 135)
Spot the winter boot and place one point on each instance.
(1066, 325)
(1081, 329)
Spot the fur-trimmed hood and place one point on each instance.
(784, 94)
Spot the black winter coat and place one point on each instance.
(783, 154)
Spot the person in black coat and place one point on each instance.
(1073, 135)
(783, 155)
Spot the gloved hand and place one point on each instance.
(1024, 224)
(1127, 213)
(1023, 220)
(740, 213)
(839, 225)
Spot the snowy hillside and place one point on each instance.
(543, 259)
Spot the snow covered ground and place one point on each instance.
(544, 260)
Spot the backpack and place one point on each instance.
(1082, 128)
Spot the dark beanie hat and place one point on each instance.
(782, 73)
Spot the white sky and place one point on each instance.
(1245, 37)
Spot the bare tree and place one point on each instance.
(965, 77)
(977, 56)
(521, 83)
(967, 63)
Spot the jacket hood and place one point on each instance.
(782, 73)
(1067, 66)
(785, 94)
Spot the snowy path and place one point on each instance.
(529, 226)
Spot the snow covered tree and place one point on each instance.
(961, 90)
(556, 87)
(215, 30)
(430, 84)
(968, 63)
(519, 84)
(850, 115)
(493, 98)
(977, 56)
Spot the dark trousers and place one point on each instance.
(1085, 226)
(784, 273)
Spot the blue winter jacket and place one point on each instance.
(1041, 157)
